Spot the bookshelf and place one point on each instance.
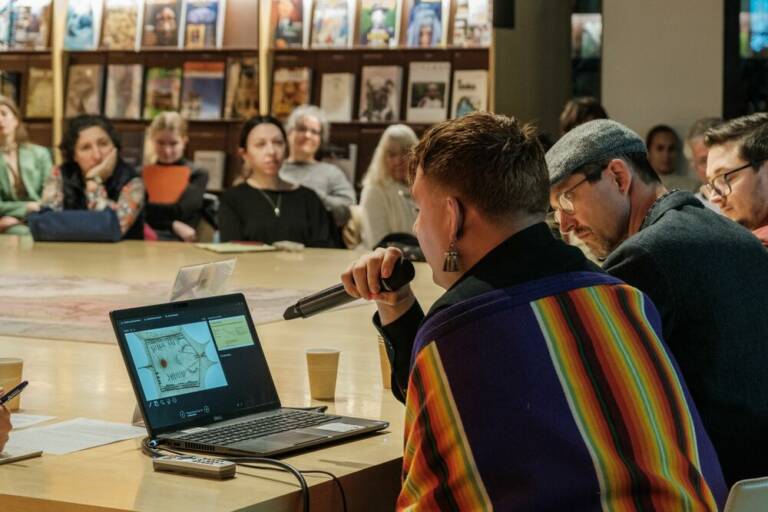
(39, 127)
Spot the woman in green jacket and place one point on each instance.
(24, 167)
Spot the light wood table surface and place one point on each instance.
(71, 379)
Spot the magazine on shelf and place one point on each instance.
(84, 83)
(586, 35)
(161, 23)
(242, 99)
(290, 88)
(82, 24)
(10, 85)
(123, 98)
(426, 24)
(39, 92)
(120, 23)
(30, 24)
(162, 91)
(379, 23)
(214, 162)
(428, 84)
(204, 22)
(5, 24)
(380, 93)
(331, 24)
(202, 90)
(287, 23)
(472, 23)
(470, 92)
(337, 92)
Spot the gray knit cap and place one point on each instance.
(590, 142)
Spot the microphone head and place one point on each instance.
(402, 274)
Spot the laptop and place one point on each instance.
(202, 382)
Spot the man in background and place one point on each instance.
(696, 150)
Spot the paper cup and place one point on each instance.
(386, 368)
(322, 366)
(10, 376)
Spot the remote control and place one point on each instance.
(193, 465)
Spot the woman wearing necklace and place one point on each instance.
(24, 167)
(266, 208)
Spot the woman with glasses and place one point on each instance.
(266, 208)
(385, 205)
(307, 129)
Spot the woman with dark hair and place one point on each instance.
(579, 111)
(24, 168)
(265, 207)
(94, 177)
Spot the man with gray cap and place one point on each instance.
(707, 276)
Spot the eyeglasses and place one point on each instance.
(721, 183)
(307, 130)
(565, 200)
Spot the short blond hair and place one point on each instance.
(169, 122)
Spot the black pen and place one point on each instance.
(13, 392)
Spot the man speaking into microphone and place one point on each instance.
(535, 382)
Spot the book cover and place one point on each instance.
(380, 92)
(337, 91)
(39, 93)
(287, 23)
(203, 20)
(214, 162)
(425, 24)
(202, 90)
(428, 84)
(81, 24)
(30, 24)
(379, 23)
(330, 24)
(123, 98)
(121, 19)
(470, 92)
(161, 23)
(83, 89)
(586, 35)
(5, 24)
(472, 23)
(162, 91)
(290, 88)
(10, 85)
(242, 100)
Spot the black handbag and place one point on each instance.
(75, 226)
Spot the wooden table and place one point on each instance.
(74, 379)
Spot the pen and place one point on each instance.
(13, 392)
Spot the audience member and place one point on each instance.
(266, 208)
(176, 221)
(663, 145)
(707, 276)
(385, 205)
(580, 110)
(737, 168)
(24, 167)
(94, 177)
(534, 364)
(307, 128)
(696, 152)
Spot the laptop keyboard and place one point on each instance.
(284, 420)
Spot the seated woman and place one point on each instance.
(386, 206)
(176, 221)
(266, 208)
(93, 177)
(307, 128)
(24, 167)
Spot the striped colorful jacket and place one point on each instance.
(557, 394)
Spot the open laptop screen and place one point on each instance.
(194, 362)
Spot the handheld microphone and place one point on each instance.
(334, 296)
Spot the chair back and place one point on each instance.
(165, 183)
(748, 496)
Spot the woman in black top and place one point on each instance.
(265, 208)
(176, 221)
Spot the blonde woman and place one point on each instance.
(386, 206)
(178, 221)
(24, 167)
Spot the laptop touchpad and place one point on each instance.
(277, 441)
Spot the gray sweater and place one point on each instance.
(708, 277)
(329, 183)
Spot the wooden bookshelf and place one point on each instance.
(40, 129)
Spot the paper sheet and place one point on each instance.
(229, 247)
(20, 421)
(71, 436)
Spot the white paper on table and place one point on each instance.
(20, 421)
(71, 436)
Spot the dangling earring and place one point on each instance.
(451, 262)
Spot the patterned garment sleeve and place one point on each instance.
(128, 205)
(53, 191)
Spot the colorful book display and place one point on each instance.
(5, 24)
(161, 23)
(123, 98)
(162, 91)
(290, 88)
(39, 93)
(425, 24)
(121, 19)
(202, 90)
(330, 24)
(428, 84)
(380, 92)
(30, 24)
(203, 20)
(242, 100)
(83, 89)
(379, 23)
(470, 92)
(472, 26)
(287, 23)
(81, 24)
